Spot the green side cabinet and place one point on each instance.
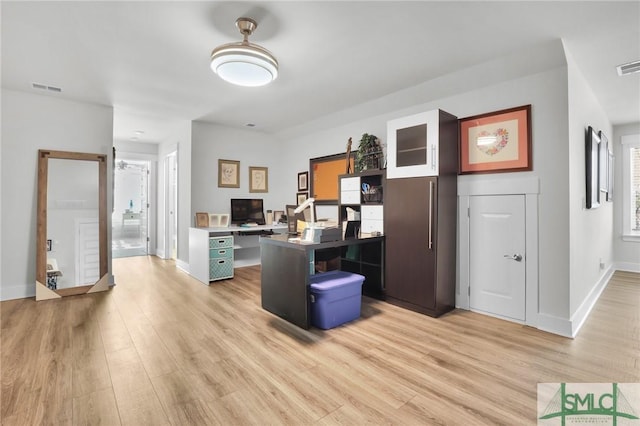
(220, 257)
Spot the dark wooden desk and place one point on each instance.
(287, 267)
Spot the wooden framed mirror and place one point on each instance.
(71, 241)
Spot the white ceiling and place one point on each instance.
(150, 60)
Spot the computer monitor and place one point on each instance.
(244, 210)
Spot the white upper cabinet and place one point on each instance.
(412, 145)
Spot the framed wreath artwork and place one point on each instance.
(496, 142)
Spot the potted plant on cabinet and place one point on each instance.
(369, 154)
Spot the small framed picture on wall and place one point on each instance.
(303, 181)
(301, 197)
(228, 174)
(258, 179)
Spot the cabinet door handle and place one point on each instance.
(431, 215)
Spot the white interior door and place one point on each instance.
(497, 256)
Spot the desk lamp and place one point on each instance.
(304, 205)
(308, 233)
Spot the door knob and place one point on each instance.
(516, 257)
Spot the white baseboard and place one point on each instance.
(581, 314)
(160, 253)
(182, 265)
(571, 327)
(627, 267)
(555, 325)
(17, 292)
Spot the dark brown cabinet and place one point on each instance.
(420, 219)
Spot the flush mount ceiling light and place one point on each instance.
(244, 63)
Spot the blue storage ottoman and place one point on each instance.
(335, 298)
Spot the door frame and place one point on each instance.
(152, 199)
(170, 220)
(529, 186)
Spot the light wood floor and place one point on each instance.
(161, 348)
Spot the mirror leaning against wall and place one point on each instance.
(71, 245)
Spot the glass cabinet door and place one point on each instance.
(412, 146)
(411, 149)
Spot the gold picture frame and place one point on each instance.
(258, 179)
(202, 220)
(228, 174)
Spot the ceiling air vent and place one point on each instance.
(45, 87)
(629, 68)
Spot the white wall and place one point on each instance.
(547, 93)
(1, 187)
(212, 142)
(31, 122)
(626, 253)
(591, 230)
(130, 147)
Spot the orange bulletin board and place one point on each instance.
(324, 176)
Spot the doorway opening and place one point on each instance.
(130, 217)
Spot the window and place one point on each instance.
(631, 187)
